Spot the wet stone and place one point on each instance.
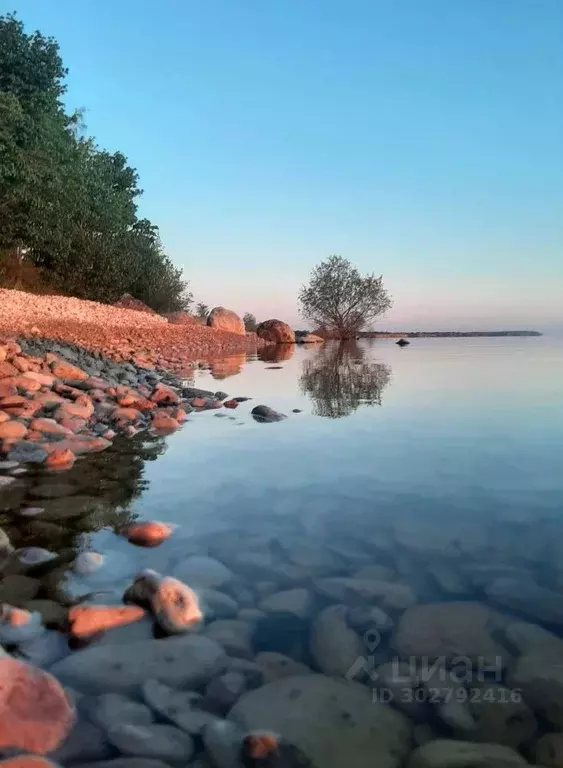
(111, 708)
(159, 741)
(27, 453)
(182, 708)
(183, 661)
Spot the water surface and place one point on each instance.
(427, 476)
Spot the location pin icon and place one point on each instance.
(372, 638)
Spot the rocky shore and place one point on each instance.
(142, 339)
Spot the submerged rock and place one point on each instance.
(181, 661)
(334, 646)
(149, 534)
(156, 740)
(266, 415)
(179, 707)
(35, 714)
(450, 630)
(202, 572)
(527, 597)
(446, 753)
(332, 722)
(88, 620)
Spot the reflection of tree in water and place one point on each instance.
(339, 380)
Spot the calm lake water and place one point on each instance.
(411, 511)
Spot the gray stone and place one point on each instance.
(540, 678)
(182, 708)
(159, 741)
(111, 708)
(333, 722)
(251, 615)
(422, 734)
(448, 578)
(299, 602)
(222, 741)
(500, 715)
(532, 639)
(549, 750)
(450, 630)
(397, 681)
(85, 742)
(33, 557)
(223, 691)
(375, 573)
(366, 618)
(235, 636)
(5, 482)
(266, 415)
(202, 572)
(182, 661)
(217, 605)
(334, 646)
(26, 453)
(446, 753)
(446, 693)
(276, 666)
(391, 595)
(44, 649)
(527, 597)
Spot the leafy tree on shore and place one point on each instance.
(338, 298)
(250, 322)
(201, 310)
(66, 206)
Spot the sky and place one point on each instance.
(421, 139)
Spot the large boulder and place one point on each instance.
(333, 722)
(276, 332)
(450, 630)
(182, 661)
(540, 679)
(226, 320)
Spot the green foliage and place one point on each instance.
(338, 298)
(250, 322)
(69, 206)
(201, 310)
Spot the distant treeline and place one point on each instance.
(68, 209)
(443, 334)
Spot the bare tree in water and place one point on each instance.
(339, 380)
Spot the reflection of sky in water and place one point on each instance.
(465, 425)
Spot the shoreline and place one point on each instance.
(443, 334)
(126, 336)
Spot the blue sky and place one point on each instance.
(422, 139)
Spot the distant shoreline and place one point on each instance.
(441, 334)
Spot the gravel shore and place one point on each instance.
(122, 335)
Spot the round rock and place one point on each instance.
(202, 572)
(446, 753)
(450, 630)
(333, 722)
(181, 661)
